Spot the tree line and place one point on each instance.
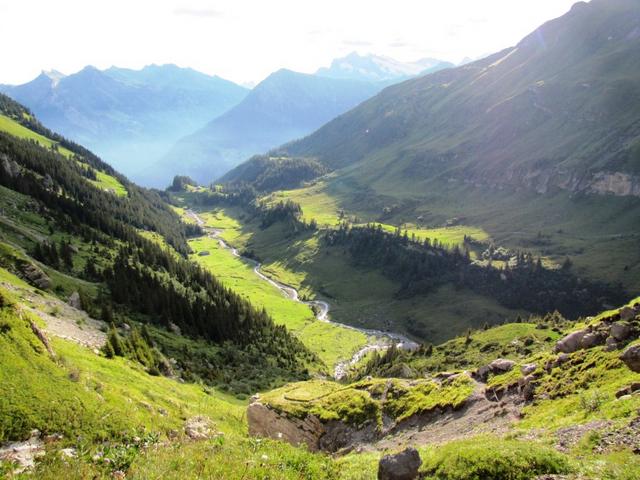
(422, 266)
(143, 278)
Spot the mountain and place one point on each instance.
(539, 145)
(285, 106)
(130, 117)
(379, 69)
(559, 109)
(71, 223)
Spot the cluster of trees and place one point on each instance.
(268, 173)
(246, 196)
(55, 256)
(173, 292)
(143, 279)
(59, 184)
(180, 183)
(422, 266)
(138, 346)
(286, 211)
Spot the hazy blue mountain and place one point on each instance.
(380, 69)
(560, 109)
(285, 106)
(129, 117)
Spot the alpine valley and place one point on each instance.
(382, 270)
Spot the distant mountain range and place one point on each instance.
(130, 117)
(538, 144)
(376, 68)
(558, 110)
(285, 106)
(163, 120)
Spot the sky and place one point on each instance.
(245, 40)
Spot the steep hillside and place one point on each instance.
(531, 400)
(284, 106)
(129, 117)
(558, 110)
(537, 145)
(119, 255)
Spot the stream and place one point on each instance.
(376, 339)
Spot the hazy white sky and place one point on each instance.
(245, 40)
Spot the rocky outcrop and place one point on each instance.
(631, 357)
(200, 428)
(266, 422)
(35, 276)
(615, 183)
(401, 466)
(74, 301)
(572, 342)
(23, 454)
(11, 168)
(497, 367)
(613, 331)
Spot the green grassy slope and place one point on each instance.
(512, 144)
(100, 405)
(103, 181)
(332, 344)
(358, 296)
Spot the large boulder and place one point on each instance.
(401, 466)
(74, 301)
(35, 276)
(621, 331)
(593, 339)
(631, 357)
(627, 313)
(498, 366)
(572, 342)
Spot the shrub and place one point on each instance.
(490, 458)
(591, 401)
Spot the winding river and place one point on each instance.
(376, 339)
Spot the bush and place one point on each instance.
(490, 458)
(591, 401)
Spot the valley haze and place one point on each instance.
(410, 250)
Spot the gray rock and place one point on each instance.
(628, 390)
(528, 368)
(611, 344)
(401, 466)
(501, 365)
(631, 357)
(199, 428)
(572, 342)
(74, 301)
(35, 276)
(621, 331)
(591, 340)
(627, 313)
(498, 366)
